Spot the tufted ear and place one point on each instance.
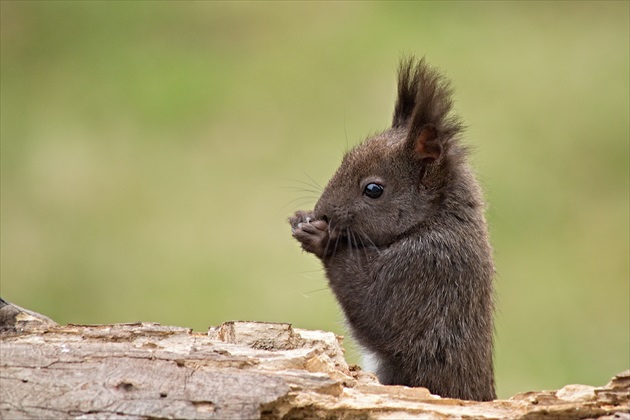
(424, 108)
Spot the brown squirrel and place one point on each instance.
(401, 232)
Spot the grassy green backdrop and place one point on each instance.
(151, 153)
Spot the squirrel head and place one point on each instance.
(400, 178)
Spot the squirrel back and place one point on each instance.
(401, 232)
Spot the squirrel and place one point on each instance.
(401, 233)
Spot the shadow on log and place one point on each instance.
(239, 370)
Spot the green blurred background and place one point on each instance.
(151, 153)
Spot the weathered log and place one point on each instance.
(237, 370)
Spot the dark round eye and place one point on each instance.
(373, 190)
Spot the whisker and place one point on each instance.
(302, 189)
(357, 239)
(298, 202)
(318, 270)
(302, 197)
(336, 244)
(314, 182)
(311, 185)
(365, 251)
(361, 240)
(370, 241)
(351, 249)
(352, 243)
(327, 242)
(299, 181)
(305, 294)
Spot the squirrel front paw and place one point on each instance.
(313, 235)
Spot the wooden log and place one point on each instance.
(239, 370)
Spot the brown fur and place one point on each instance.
(411, 268)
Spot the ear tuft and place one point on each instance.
(407, 91)
(424, 108)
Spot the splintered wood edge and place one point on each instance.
(238, 370)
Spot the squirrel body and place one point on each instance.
(401, 232)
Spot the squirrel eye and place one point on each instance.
(373, 190)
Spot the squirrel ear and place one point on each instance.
(425, 143)
(423, 107)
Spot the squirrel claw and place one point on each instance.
(312, 234)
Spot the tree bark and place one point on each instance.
(239, 370)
